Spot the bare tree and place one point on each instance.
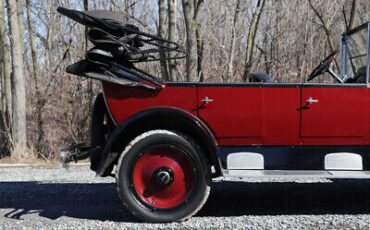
(86, 8)
(198, 5)
(323, 25)
(191, 40)
(352, 14)
(161, 26)
(5, 64)
(127, 7)
(40, 104)
(194, 45)
(19, 92)
(20, 16)
(325, 28)
(251, 37)
(172, 14)
(349, 23)
(232, 44)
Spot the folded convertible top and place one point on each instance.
(117, 48)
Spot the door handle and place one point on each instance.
(311, 100)
(207, 100)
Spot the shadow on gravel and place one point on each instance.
(53, 200)
(100, 201)
(240, 198)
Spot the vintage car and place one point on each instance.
(165, 141)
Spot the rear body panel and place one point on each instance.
(124, 102)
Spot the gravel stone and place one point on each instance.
(55, 198)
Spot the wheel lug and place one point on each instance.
(146, 194)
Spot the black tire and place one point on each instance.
(197, 190)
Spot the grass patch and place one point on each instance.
(27, 156)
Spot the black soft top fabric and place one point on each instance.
(117, 47)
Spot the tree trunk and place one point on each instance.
(230, 64)
(3, 101)
(19, 92)
(191, 40)
(35, 72)
(352, 14)
(256, 27)
(325, 28)
(5, 65)
(172, 13)
(127, 16)
(161, 26)
(86, 8)
(90, 89)
(20, 16)
(252, 34)
(198, 5)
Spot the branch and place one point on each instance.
(324, 26)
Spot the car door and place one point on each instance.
(232, 111)
(336, 112)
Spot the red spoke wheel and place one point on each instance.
(162, 177)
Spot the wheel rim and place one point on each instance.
(163, 177)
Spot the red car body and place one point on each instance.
(258, 114)
(294, 126)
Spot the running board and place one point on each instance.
(296, 174)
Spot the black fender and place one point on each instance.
(183, 119)
(99, 130)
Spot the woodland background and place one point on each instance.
(44, 109)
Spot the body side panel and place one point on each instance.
(124, 102)
(234, 112)
(281, 115)
(338, 113)
(367, 118)
(248, 115)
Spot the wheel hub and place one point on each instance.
(163, 177)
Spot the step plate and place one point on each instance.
(245, 160)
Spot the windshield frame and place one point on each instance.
(345, 54)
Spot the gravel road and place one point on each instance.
(54, 198)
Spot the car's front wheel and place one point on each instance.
(162, 177)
